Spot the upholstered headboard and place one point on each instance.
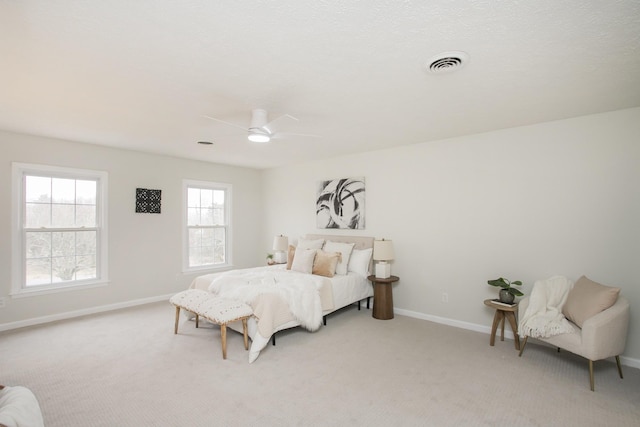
(361, 242)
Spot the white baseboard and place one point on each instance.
(83, 312)
(627, 361)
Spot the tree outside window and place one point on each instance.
(207, 224)
(61, 215)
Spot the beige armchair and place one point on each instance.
(602, 335)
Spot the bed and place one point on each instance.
(301, 293)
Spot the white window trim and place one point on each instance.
(185, 232)
(18, 170)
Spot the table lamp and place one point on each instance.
(280, 246)
(383, 252)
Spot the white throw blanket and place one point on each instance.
(543, 317)
(19, 407)
(300, 291)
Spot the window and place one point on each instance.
(60, 228)
(207, 207)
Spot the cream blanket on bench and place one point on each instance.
(543, 317)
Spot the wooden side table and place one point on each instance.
(503, 311)
(383, 296)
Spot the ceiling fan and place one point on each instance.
(260, 129)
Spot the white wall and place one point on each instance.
(144, 249)
(523, 203)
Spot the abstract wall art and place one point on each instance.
(340, 203)
(148, 201)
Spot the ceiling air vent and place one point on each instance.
(447, 62)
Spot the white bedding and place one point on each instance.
(300, 291)
(271, 291)
(348, 289)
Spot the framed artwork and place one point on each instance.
(148, 201)
(340, 203)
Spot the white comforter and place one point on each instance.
(277, 297)
(300, 291)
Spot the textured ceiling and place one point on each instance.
(142, 74)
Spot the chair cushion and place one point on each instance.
(588, 298)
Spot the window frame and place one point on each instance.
(208, 185)
(19, 229)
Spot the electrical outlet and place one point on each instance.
(2, 302)
(445, 297)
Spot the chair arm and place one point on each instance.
(605, 334)
(522, 308)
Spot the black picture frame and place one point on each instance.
(148, 201)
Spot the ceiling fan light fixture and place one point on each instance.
(256, 135)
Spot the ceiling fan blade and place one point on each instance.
(259, 128)
(228, 123)
(288, 116)
(278, 135)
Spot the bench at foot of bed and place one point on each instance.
(215, 309)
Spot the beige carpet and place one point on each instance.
(127, 368)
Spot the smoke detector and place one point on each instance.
(446, 62)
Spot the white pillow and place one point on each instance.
(360, 260)
(303, 260)
(345, 249)
(310, 244)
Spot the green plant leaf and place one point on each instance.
(517, 282)
(498, 282)
(515, 292)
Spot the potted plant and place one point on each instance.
(508, 293)
(270, 260)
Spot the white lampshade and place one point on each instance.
(383, 250)
(280, 243)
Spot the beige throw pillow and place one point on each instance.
(588, 298)
(325, 263)
(292, 252)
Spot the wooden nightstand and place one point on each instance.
(503, 311)
(383, 297)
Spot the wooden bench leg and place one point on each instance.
(246, 335)
(175, 329)
(197, 319)
(223, 334)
